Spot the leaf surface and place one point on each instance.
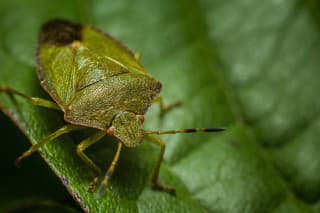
(249, 66)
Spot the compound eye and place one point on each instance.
(141, 118)
(111, 131)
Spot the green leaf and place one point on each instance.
(250, 66)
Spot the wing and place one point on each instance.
(105, 45)
(98, 103)
(71, 57)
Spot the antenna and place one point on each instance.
(185, 131)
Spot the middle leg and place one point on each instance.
(63, 130)
(165, 108)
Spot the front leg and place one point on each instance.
(80, 151)
(110, 170)
(155, 176)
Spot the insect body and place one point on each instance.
(97, 83)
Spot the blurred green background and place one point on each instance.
(250, 66)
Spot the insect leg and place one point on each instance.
(165, 108)
(137, 56)
(156, 184)
(110, 170)
(33, 148)
(33, 100)
(80, 151)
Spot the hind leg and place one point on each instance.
(33, 100)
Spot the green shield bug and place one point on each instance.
(97, 82)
